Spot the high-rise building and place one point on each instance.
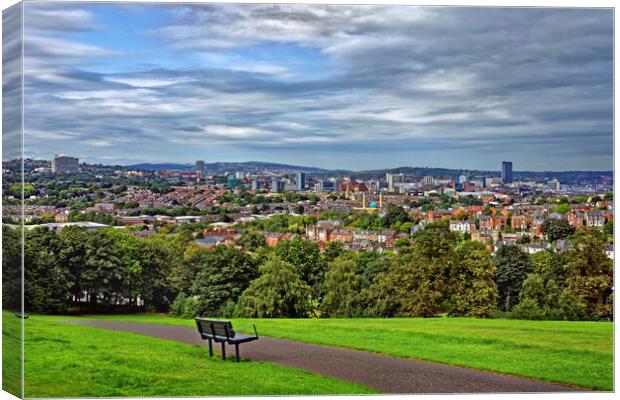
(554, 185)
(392, 180)
(300, 180)
(506, 171)
(277, 185)
(428, 181)
(200, 166)
(65, 165)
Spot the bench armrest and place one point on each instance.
(246, 329)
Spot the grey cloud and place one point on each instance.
(511, 82)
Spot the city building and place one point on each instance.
(234, 182)
(554, 185)
(461, 226)
(65, 165)
(277, 186)
(575, 218)
(428, 181)
(595, 218)
(200, 166)
(487, 223)
(393, 179)
(518, 222)
(300, 180)
(353, 186)
(506, 171)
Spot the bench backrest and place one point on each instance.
(212, 326)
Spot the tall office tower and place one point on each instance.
(200, 166)
(276, 185)
(506, 171)
(301, 177)
(428, 181)
(65, 165)
(392, 179)
(554, 185)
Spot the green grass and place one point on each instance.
(11, 354)
(577, 353)
(65, 360)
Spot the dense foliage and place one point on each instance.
(436, 272)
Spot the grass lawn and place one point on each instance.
(64, 360)
(577, 353)
(11, 354)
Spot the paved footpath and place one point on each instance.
(384, 373)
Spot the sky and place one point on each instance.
(353, 87)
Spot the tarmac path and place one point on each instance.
(384, 373)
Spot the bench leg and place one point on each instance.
(210, 348)
(223, 350)
(237, 351)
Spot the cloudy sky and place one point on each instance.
(354, 87)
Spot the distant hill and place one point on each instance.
(158, 167)
(221, 167)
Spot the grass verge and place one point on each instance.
(66, 360)
(576, 353)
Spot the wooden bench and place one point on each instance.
(222, 332)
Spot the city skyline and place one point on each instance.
(192, 163)
(351, 87)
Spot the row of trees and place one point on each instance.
(435, 273)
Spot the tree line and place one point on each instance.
(435, 273)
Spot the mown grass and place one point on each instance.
(66, 360)
(576, 353)
(11, 354)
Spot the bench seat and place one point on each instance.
(222, 332)
(238, 338)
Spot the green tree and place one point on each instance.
(103, 274)
(46, 283)
(342, 289)
(11, 268)
(279, 291)
(419, 277)
(589, 272)
(305, 256)
(555, 229)
(394, 215)
(332, 251)
(608, 229)
(160, 257)
(223, 274)
(72, 256)
(251, 241)
(513, 265)
(472, 291)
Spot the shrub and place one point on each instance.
(177, 306)
(191, 307)
(527, 309)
